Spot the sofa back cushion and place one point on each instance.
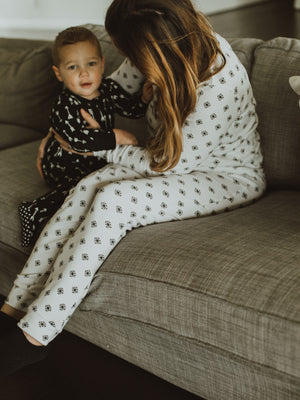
(278, 110)
(28, 86)
(244, 49)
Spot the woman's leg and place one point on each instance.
(31, 280)
(117, 207)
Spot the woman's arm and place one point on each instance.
(133, 157)
(128, 105)
(128, 76)
(41, 153)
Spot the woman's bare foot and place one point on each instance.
(12, 312)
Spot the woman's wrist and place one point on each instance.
(124, 138)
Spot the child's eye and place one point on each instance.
(92, 63)
(72, 67)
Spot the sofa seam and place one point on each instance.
(263, 46)
(276, 317)
(237, 357)
(206, 294)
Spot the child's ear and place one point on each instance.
(57, 73)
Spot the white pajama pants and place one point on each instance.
(93, 219)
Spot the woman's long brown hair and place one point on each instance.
(175, 47)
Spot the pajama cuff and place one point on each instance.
(38, 327)
(18, 305)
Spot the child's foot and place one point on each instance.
(29, 214)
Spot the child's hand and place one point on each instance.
(124, 137)
(147, 92)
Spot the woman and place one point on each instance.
(203, 156)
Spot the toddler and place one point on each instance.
(79, 64)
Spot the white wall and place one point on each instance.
(214, 6)
(44, 18)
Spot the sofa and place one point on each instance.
(209, 304)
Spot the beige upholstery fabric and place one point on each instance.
(278, 110)
(28, 87)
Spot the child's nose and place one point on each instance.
(83, 71)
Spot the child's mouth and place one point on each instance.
(86, 85)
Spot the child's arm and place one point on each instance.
(130, 105)
(122, 138)
(67, 121)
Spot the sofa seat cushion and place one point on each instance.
(20, 181)
(230, 281)
(14, 135)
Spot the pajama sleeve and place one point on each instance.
(67, 121)
(200, 133)
(126, 104)
(128, 76)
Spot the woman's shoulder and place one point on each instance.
(232, 70)
(228, 53)
(223, 42)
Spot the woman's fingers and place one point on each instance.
(41, 152)
(64, 145)
(39, 166)
(89, 119)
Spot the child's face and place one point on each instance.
(81, 69)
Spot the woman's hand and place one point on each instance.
(92, 123)
(41, 153)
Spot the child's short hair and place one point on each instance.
(73, 35)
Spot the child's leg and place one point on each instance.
(62, 171)
(60, 166)
(34, 214)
